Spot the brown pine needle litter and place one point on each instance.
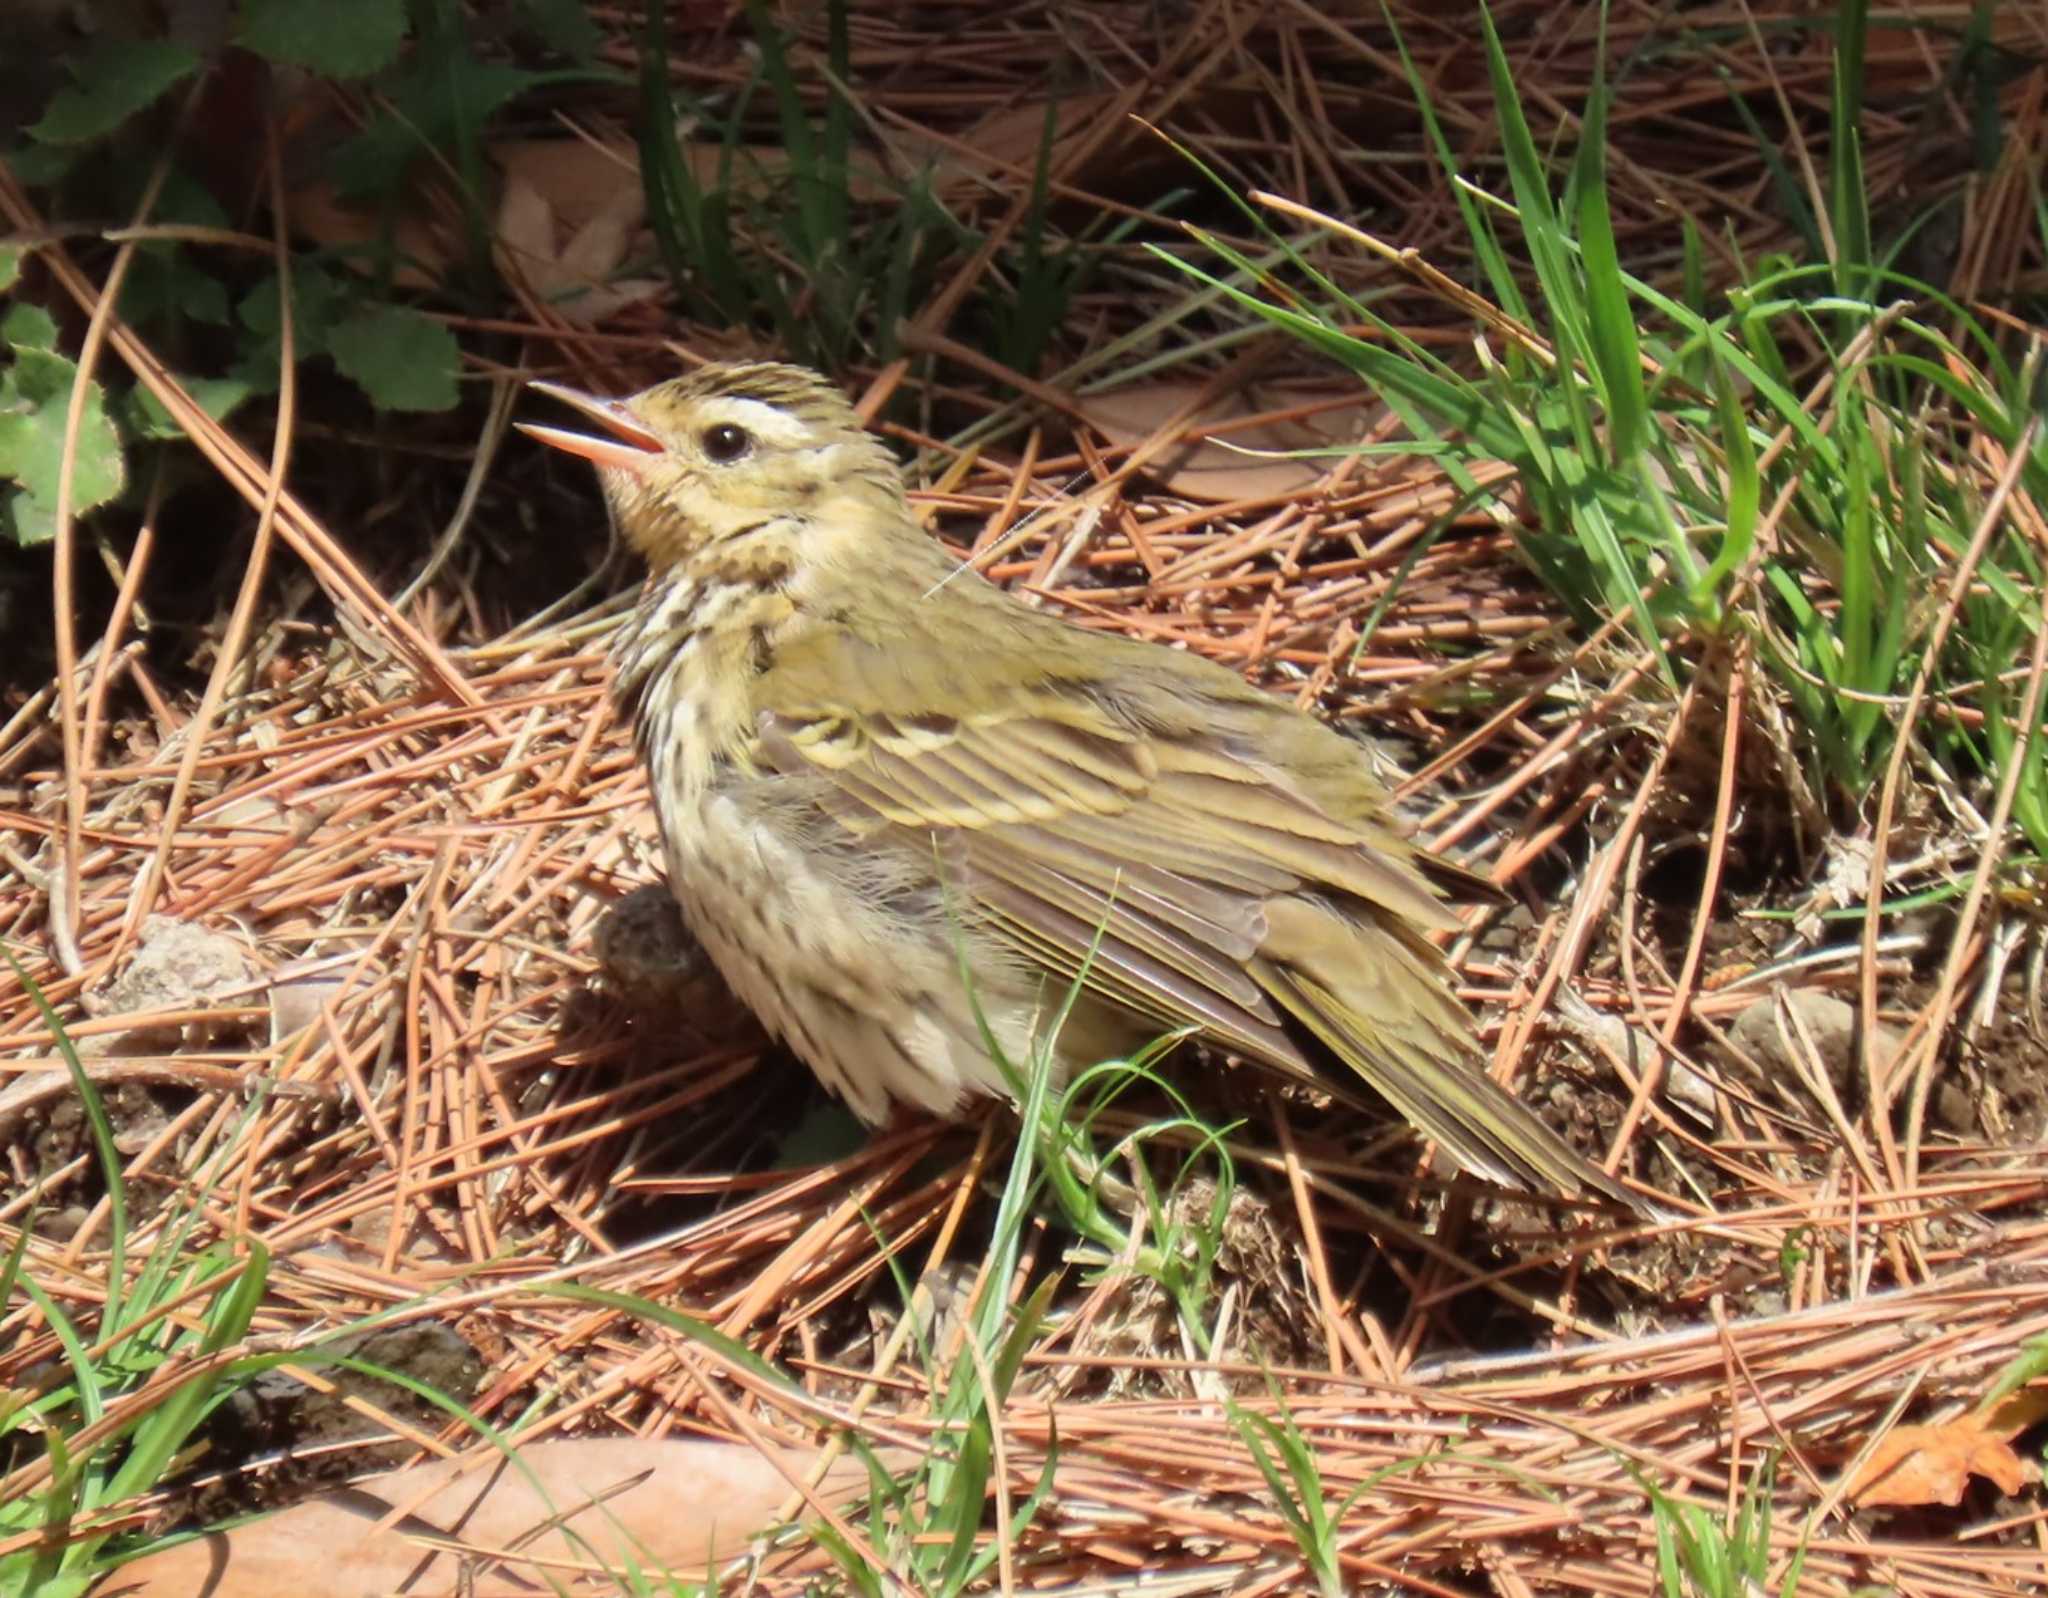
(327, 938)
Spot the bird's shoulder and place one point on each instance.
(972, 667)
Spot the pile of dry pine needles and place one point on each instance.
(361, 875)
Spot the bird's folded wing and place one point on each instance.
(1096, 849)
(1191, 887)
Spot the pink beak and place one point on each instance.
(627, 443)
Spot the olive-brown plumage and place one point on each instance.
(862, 757)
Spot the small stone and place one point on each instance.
(1955, 1110)
(650, 958)
(178, 966)
(1829, 1021)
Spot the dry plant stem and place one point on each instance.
(1787, 1445)
(921, 341)
(1884, 1086)
(1085, 510)
(1792, 1028)
(504, 395)
(1530, 770)
(111, 649)
(1710, 889)
(1005, 515)
(1338, 1331)
(64, 906)
(1591, 898)
(1453, 293)
(1627, 943)
(1985, 872)
(228, 660)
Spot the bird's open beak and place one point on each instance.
(627, 444)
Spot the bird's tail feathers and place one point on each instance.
(1411, 1042)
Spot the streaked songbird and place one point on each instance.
(899, 806)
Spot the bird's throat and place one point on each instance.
(689, 656)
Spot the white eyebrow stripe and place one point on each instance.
(765, 422)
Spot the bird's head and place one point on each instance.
(725, 451)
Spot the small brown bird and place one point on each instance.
(881, 779)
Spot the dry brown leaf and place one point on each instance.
(1006, 143)
(572, 271)
(1918, 1465)
(580, 179)
(425, 248)
(677, 1504)
(568, 211)
(1217, 467)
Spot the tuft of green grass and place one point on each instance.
(930, 1526)
(130, 1391)
(797, 256)
(1796, 459)
(117, 1417)
(1139, 1229)
(1700, 1557)
(810, 254)
(1294, 1477)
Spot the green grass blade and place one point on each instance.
(1848, 198)
(1610, 317)
(160, 1434)
(1542, 227)
(103, 1146)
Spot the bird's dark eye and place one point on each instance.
(725, 443)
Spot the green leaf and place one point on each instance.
(11, 257)
(443, 101)
(564, 26)
(318, 302)
(25, 520)
(29, 327)
(35, 394)
(142, 414)
(44, 166)
(316, 306)
(337, 41)
(404, 361)
(164, 285)
(827, 1131)
(115, 79)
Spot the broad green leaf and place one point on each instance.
(43, 166)
(143, 416)
(35, 394)
(337, 41)
(318, 302)
(564, 26)
(11, 257)
(26, 520)
(164, 284)
(29, 327)
(115, 79)
(404, 361)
